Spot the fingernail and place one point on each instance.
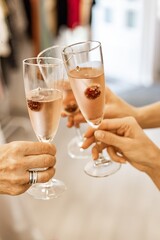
(99, 134)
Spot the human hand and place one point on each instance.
(74, 120)
(16, 158)
(70, 108)
(125, 141)
(147, 116)
(116, 107)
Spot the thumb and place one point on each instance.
(109, 138)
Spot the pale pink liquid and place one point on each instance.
(69, 102)
(44, 107)
(81, 80)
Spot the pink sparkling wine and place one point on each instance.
(88, 85)
(44, 107)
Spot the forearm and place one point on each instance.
(154, 170)
(149, 116)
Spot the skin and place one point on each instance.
(69, 100)
(123, 136)
(115, 107)
(125, 141)
(147, 116)
(16, 158)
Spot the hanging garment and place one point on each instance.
(73, 13)
(18, 15)
(27, 9)
(48, 23)
(50, 14)
(62, 13)
(4, 32)
(86, 12)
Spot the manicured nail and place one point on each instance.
(99, 134)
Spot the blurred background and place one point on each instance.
(129, 31)
(125, 205)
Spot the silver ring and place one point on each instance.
(33, 176)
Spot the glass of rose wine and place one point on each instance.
(84, 65)
(44, 103)
(69, 105)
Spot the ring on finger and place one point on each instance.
(33, 177)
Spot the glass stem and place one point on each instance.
(101, 159)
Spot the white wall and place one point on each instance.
(129, 52)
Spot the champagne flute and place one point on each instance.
(44, 102)
(84, 65)
(69, 105)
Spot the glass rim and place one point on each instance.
(28, 61)
(82, 51)
(50, 48)
(56, 90)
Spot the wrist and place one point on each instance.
(143, 117)
(139, 115)
(149, 115)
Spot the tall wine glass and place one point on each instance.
(69, 105)
(84, 65)
(44, 102)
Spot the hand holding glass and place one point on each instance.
(69, 105)
(44, 102)
(84, 65)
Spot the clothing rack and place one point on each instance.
(13, 25)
